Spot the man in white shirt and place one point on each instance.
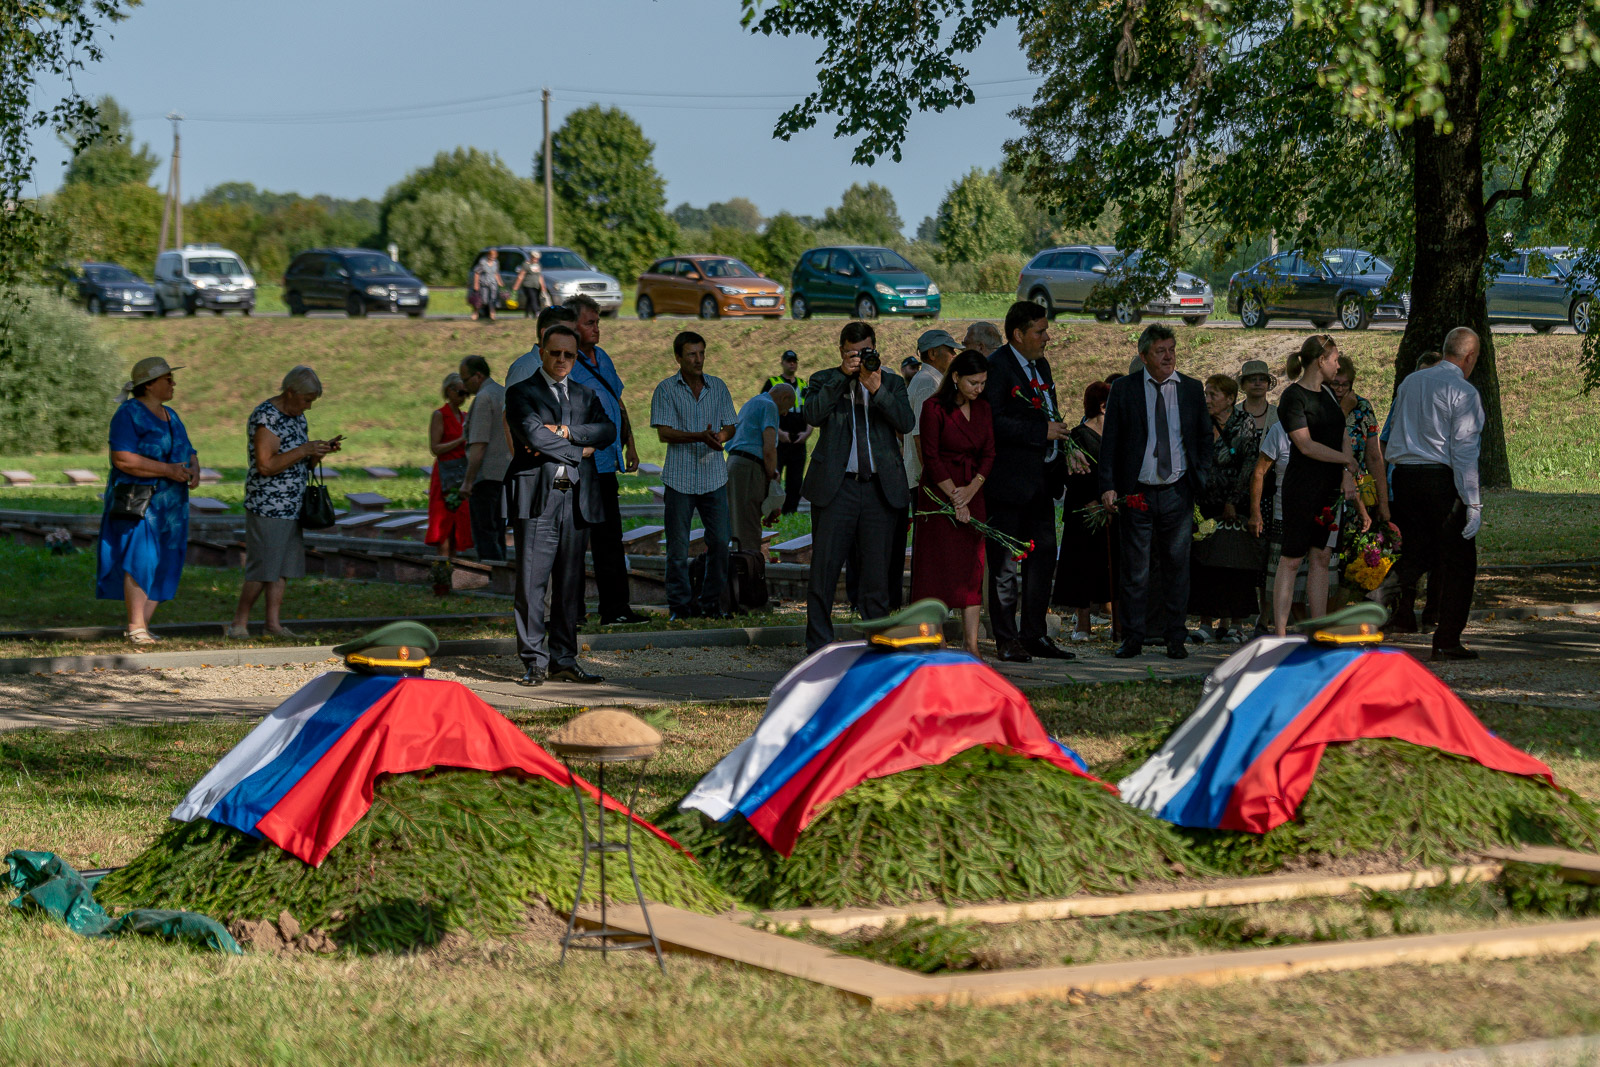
(1435, 433)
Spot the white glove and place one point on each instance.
(1474, 521)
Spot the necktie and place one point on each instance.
(858, 417)
(566, 406)
(1163, 441)
(1033, 376)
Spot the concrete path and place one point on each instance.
(1559, 1052)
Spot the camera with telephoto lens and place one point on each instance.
(870, 361)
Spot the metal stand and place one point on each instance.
(604, 938)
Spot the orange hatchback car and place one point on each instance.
(708, 286)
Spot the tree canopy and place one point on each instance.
(976, 220)
(107, 156)
(866, 213)
(1207, 126)
(466, 173)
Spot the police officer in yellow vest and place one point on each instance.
(792, 433)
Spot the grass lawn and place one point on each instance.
(98, 797)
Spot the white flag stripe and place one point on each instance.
(794, 701)
(1164, 775)
(263, 746)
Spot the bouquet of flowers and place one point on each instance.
(1041, 401)
(1370, 556)
(1096, 516)
(59, 542)
(453, 498)
(1203, 527)
(1018, 550)
(1328, 519)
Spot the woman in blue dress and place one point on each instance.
(141, 559)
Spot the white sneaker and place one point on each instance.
(1079, 637)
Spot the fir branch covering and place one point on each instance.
(458, 850)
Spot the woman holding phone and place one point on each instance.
(281, 455)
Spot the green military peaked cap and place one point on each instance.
(403, 647)
(919, 625)
(1360, 623)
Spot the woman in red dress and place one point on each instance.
(449, 528)
(956, 434)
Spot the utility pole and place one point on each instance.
(173, 208)
(549, 186)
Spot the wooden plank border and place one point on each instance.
(1221, 894)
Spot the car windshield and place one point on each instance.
(373, 266)
(561, 261)
(1345, 261)
(112, 274)
(726, 268)
(878, 260)
(222, 266)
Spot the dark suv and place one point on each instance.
(358, 280)
(1344, 285)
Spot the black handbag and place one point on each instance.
(316, 505)
(130, 500)
(452, 473)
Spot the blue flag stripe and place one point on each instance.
(247, 802)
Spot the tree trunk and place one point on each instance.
(1452, 237)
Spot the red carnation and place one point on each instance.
(1136, 501)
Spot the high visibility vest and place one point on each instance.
(778, 379)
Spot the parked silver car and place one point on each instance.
(1065, 279)
(1542, 288)
(566, 274)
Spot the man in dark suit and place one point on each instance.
(554, 425)
(857, 481)
(1156, 444)
(1030, 446)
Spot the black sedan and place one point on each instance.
(105, 287)
(1343, 285)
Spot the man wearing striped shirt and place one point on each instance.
(693, 415)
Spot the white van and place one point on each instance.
(203, 276)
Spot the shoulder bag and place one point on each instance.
(316, 505)
(130, 500)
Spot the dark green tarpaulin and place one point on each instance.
(49, 883)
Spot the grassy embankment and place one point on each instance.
(100, 796)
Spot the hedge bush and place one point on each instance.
(58, 378)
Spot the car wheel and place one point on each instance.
(1103, 316)
(245, 312)
(161, 309)
(1352, 312)
(1127, 314)
(1252, 312)
(865, 308)
(417, 314)
(1042, 298)
(1582, 315)
(708, 308)
(189, 306)
(799, 307)
(355, 307)
(644, 307)
(1321, 324)
(1542, 327)
(295, 303)
(93, 306)
(1194, 320)
(217, 312)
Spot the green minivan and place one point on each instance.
(861, 280)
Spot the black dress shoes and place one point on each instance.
(575, 673)
(533, 676)
(1013, 653)
(624, 619)
(681, 616)
(1129, 649)
(1177, 651)
(1044, 648)
(1458, 652)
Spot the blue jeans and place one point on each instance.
(713, 509)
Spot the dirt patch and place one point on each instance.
(606, 728)
(284, 936)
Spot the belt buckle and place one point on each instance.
(562, 483)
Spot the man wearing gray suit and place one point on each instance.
(856, 482)
(554, 425)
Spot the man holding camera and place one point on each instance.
(856, 482)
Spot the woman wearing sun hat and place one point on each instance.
(141, 558)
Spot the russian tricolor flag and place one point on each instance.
(304, 776)
(1246, 757)
(849, 713)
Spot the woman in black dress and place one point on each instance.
(1223, 567)
(1085, 575)
(1320, 465)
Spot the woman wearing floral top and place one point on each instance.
(1224, 566)
(1361, 423)
(280, 458)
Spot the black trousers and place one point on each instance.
(1021, 589)
(857, 523)
(792, 469)
(1160, 538)
(1431, 517)
(605, 544)
(487, 510)
(550, 555)
(530, 299)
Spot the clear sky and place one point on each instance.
(267, 88)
